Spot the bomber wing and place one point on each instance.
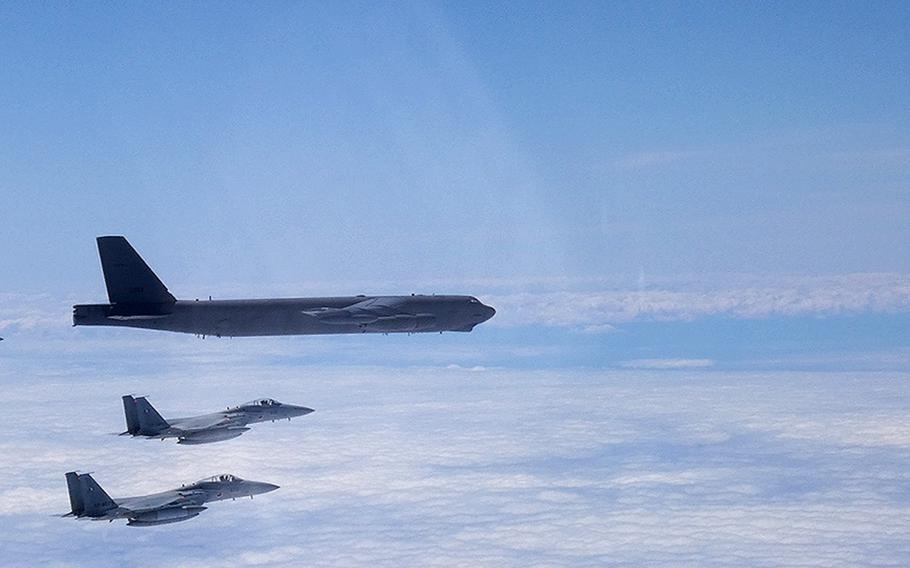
(381, 314)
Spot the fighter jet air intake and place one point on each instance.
(89, 501)
(143, 420)
(139, 299)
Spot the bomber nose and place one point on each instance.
(488, 312)
(480, 312)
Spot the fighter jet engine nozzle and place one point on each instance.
(164, 516)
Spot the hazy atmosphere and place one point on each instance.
(690, 218)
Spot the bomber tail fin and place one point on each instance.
(150, 422)
(132, 415)
(128, 278)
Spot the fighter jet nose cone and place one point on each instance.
(304, 411)
(488, 312)
(259, 487)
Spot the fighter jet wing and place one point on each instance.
(206, 422)
(158, 501)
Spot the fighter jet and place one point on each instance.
(89, 501)
(139, 299)
(143, 420)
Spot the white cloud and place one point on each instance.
(668, 364)
(743, 298)
(446, 467)
(279, 555)
(598, 328)
(29, 312)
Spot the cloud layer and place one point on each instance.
(744, 298)
(668, 364)
(589, 305)
(449, 466)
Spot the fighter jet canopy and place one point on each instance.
(264, 402)
(223, 478)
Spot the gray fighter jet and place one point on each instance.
(89, 501)
(139, 299)
(143, 420)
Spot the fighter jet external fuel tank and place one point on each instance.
(139, 299)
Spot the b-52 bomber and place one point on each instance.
(143, 420)
(89, 501)
(139, 299)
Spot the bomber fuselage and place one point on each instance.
(294, 316)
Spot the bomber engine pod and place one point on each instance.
(408, 323)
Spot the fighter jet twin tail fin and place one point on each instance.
(142, 418)
(87, 498)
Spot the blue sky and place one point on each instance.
(691, 218)
(425, 140)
